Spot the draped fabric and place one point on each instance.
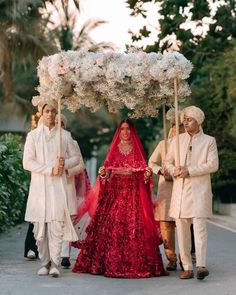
(82, 186)
(122, 236)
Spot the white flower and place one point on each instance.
(140, 81)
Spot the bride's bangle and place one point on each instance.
(102, 176)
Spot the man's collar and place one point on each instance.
(46, 128)
(200, 132)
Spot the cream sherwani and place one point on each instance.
(167, 224)
(164, 187)
(47, 201)
(192, 197)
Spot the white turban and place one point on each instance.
(193, 112)
(170, 116)
(39, 102)
(63, 120)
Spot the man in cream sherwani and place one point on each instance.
(191, 200)
(47, 206)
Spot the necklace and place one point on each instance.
(125, 147)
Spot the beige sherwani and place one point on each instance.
(71, 196)
(192, 197)
(164, 187)
(72, 200)
(47, 201)
(164, 192)
(203, 162)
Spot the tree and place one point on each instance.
(23, 41)
(22, 37)
(218, 77)
(65, 28)
(209, 42)
(202, 28)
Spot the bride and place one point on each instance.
(122, 238)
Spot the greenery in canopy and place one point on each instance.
(212, 53)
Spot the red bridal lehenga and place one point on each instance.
(122, 237)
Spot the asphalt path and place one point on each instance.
(18, 275)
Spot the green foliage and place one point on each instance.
(200, 9)
(14, 181)
(224, 181)
(24, 39)
(219, 104)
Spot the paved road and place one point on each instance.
(18, 276)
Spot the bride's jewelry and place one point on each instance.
(125, 147)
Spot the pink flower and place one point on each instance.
(141, 55)
(62, 70)
(99, 62)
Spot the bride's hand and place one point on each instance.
(102, 171)
(147, 173)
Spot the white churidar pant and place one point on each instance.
(50, 245)
(184, 240)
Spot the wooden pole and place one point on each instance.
(177, 164)
(164, 128)
(59, 127)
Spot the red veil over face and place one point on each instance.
(135, 161)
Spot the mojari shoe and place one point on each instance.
(202, 272)
(186, 274)
(54, 272)
(171, 266)
(65, 262)
(43, 271)
(31, 254)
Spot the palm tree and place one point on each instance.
(64, 28)
(22, 38)
(27, 33)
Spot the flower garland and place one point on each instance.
(140, 81)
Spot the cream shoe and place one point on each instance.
(43, 271)
(54, 272)
(31, 254)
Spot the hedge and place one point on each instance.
(14, 181)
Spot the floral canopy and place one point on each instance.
(140, 81)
